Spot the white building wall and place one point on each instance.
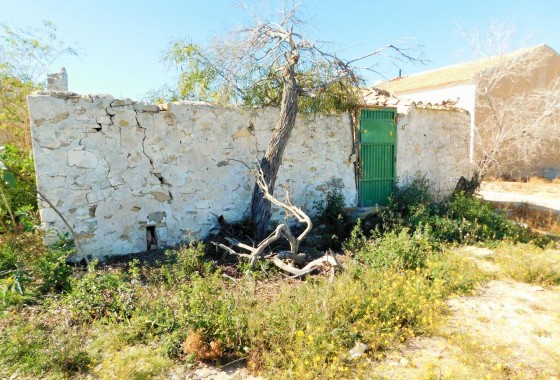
(433, 144)
(463, 94)
(113, 167)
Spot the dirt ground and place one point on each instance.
(508, 330)
(536, 192)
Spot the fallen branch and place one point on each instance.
(284, 260)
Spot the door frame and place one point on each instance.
(360, 163)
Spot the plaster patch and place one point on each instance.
(82, 159)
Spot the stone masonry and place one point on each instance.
(433, 143)
(119, 169)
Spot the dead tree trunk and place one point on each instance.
(282, 230)
(270, 163)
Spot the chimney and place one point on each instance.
(58, 81)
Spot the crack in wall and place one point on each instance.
(163, 182)
(182, 153)
(144, 148)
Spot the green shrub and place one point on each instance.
(357, 239)
(409, 205)
(156, 315)
(397, 250)
(478, 221)
(53, 271)
(332, 224)
(460, 218)
(101, 296)
(209, 307)
(13, 289)
(9, 257)
(413, 198)
(27, 271)
(17, 186)
(14, 277)
(184, 262)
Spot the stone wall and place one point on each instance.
(116, 168)
(433, 143)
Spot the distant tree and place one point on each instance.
(25, 57)
(272, 63)
(517, 118)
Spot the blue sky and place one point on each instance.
(121, 42)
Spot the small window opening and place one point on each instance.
(151, 238)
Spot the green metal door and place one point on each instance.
(378, 140)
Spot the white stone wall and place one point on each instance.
(434, 144)
(113, 167)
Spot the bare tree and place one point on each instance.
(283, 230)
(274, 62)
(25, 56)
(514, 132)
(517, 113)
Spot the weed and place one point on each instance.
(53, 271)
(357, 240)
(398, 250)
(461, 218)
(101, 296)
(212, 310)
(136, 362)
(17, 187)
(307, 332)
(332, 223)
(455, 274)
(27, 271)
(185, 262)
(136, 321)
(37, 349)
(529, 264)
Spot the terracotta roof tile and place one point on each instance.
(375, 97)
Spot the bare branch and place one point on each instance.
(515, 118)
(282, 230)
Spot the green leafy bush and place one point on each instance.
(357, 239)
(28, 269)
(17, 187)
(397, 250)
(460, 218)
(209, 307)
(332, 224)
(101, 296)
(53, 271)
(180, 264)
(480, 222)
